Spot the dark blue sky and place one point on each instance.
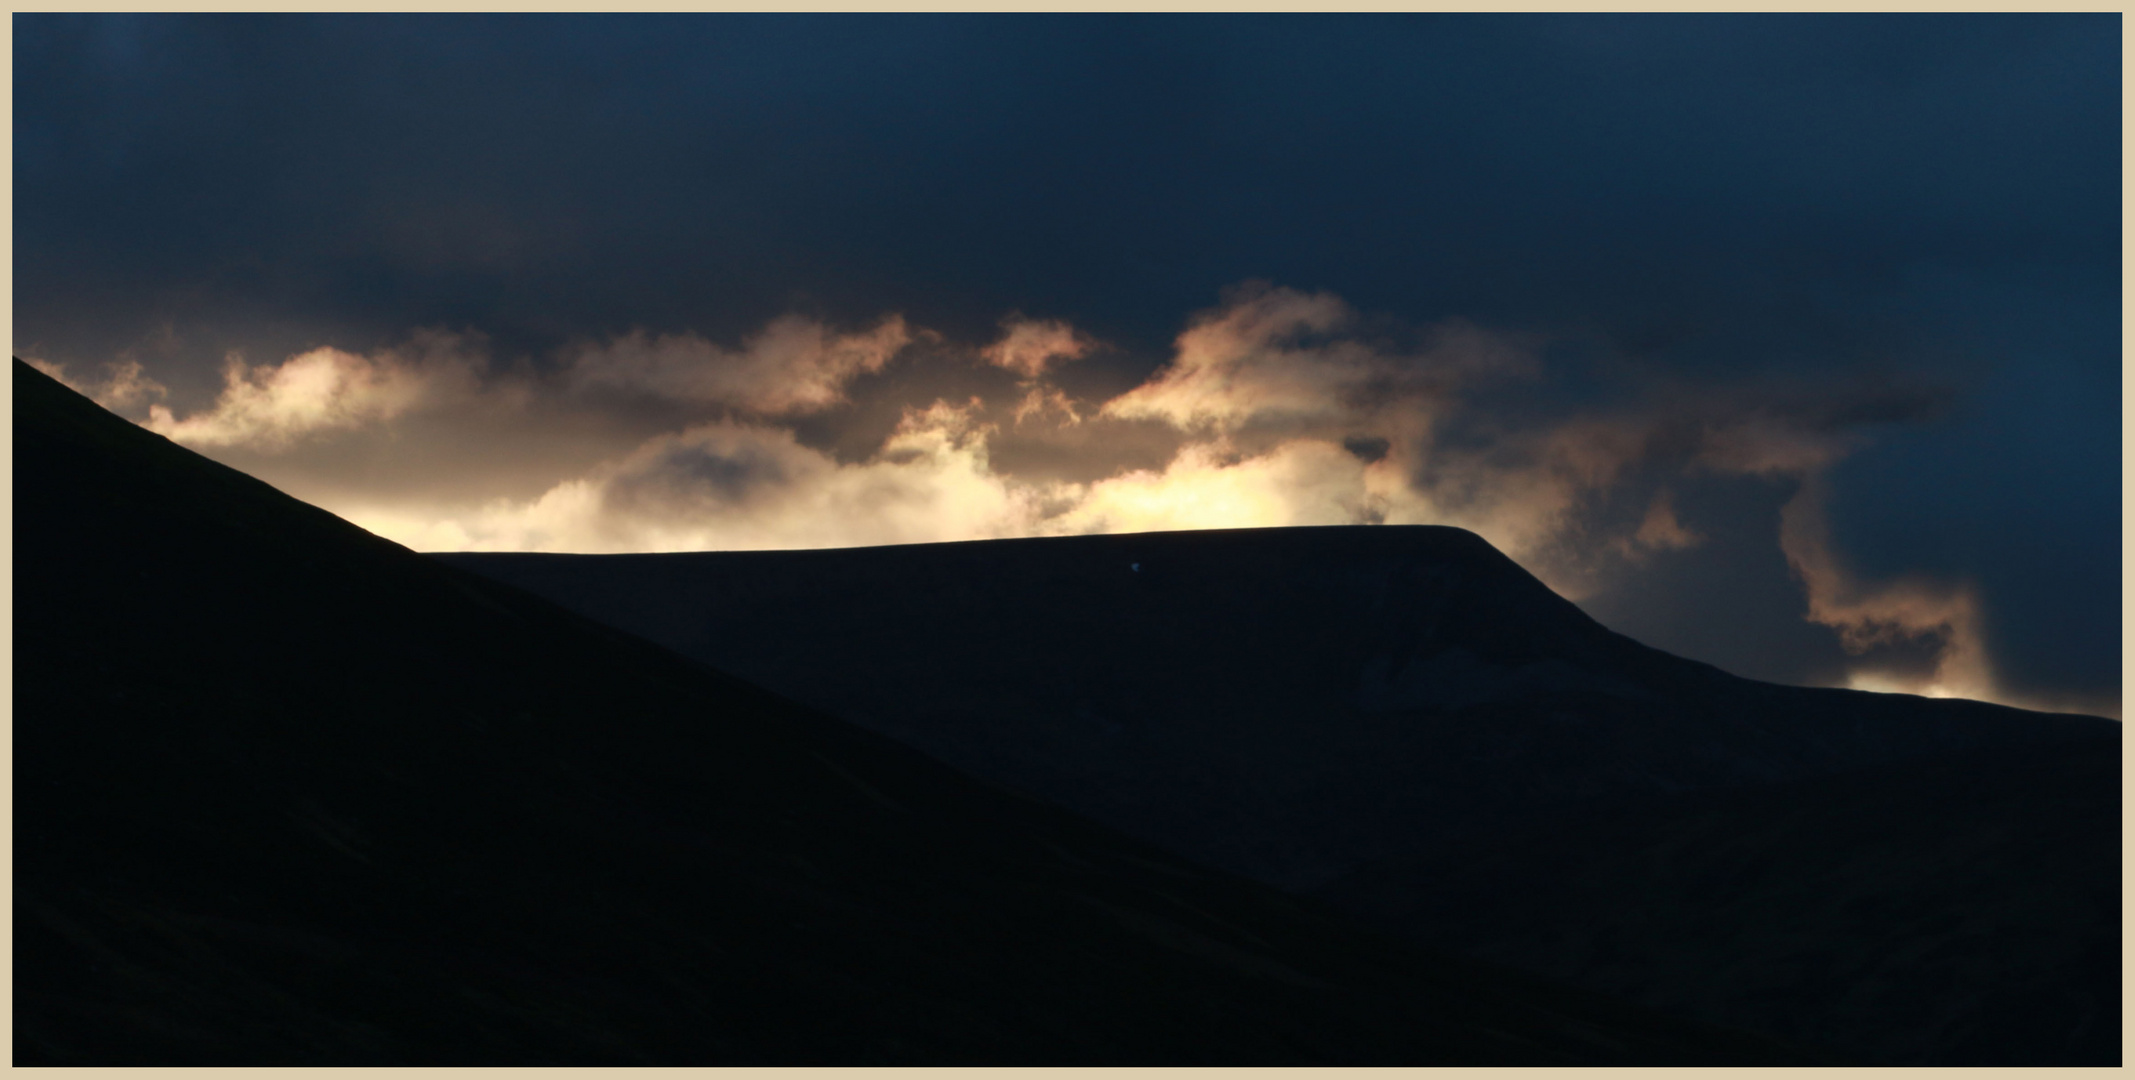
(1924, 204)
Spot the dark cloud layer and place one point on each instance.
(1895, 238)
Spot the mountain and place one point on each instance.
(287, 793)
(1284, 703)
(1380, 715)
(1962, 909)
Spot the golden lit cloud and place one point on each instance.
(1302, 482)
(735, 486)
(1274, 355)
(1275, 408)
(793, 365)
(1250, 360)
(1871, 614)
(322, 390)
(1040, 401)
(1028, 346)
(1659, 530)
(124, 386)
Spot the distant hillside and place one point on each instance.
(1360, 711)
(286, 793)
(1285, 703)
(1962, 909)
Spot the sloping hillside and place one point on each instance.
(1962, 909)
(1407, 724)
(286, 793)
(1289, 704)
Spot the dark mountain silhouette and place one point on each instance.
(288, 793)
(1961, 909)
(1406, 722)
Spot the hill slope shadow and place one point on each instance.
(286, 793)
(1355, 713)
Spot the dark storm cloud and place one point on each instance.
(1696, 208)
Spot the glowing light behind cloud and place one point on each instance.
(323, 390)
(125, 384)
(733, 486)
(1868, 614)
(1279, 406)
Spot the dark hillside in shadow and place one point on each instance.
(1357, 711)
(1285, 703)
(286, 793)
(1958, 910)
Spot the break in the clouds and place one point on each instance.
(1277, 407)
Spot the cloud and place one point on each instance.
(1028, 346)
(794, 365)
(1038, 401)
(1659, 530)
(1283, 375)
(1302, 482)
(1249, 360)
(1275, 355)
(325, 390)
(1275, 408)
(739, 486)
(1869, 615)
(1288, 407)
(125, 385)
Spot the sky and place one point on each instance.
(1789, 343)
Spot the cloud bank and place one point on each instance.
(1276, 407)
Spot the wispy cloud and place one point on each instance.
(1868, 614)
(729, 485)
(123, 387)
(325, 390)
(794, 365)
(1029, 347)
(1659, 530)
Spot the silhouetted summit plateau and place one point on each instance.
(1285, 703)
(1381, 714)
(286, 793)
